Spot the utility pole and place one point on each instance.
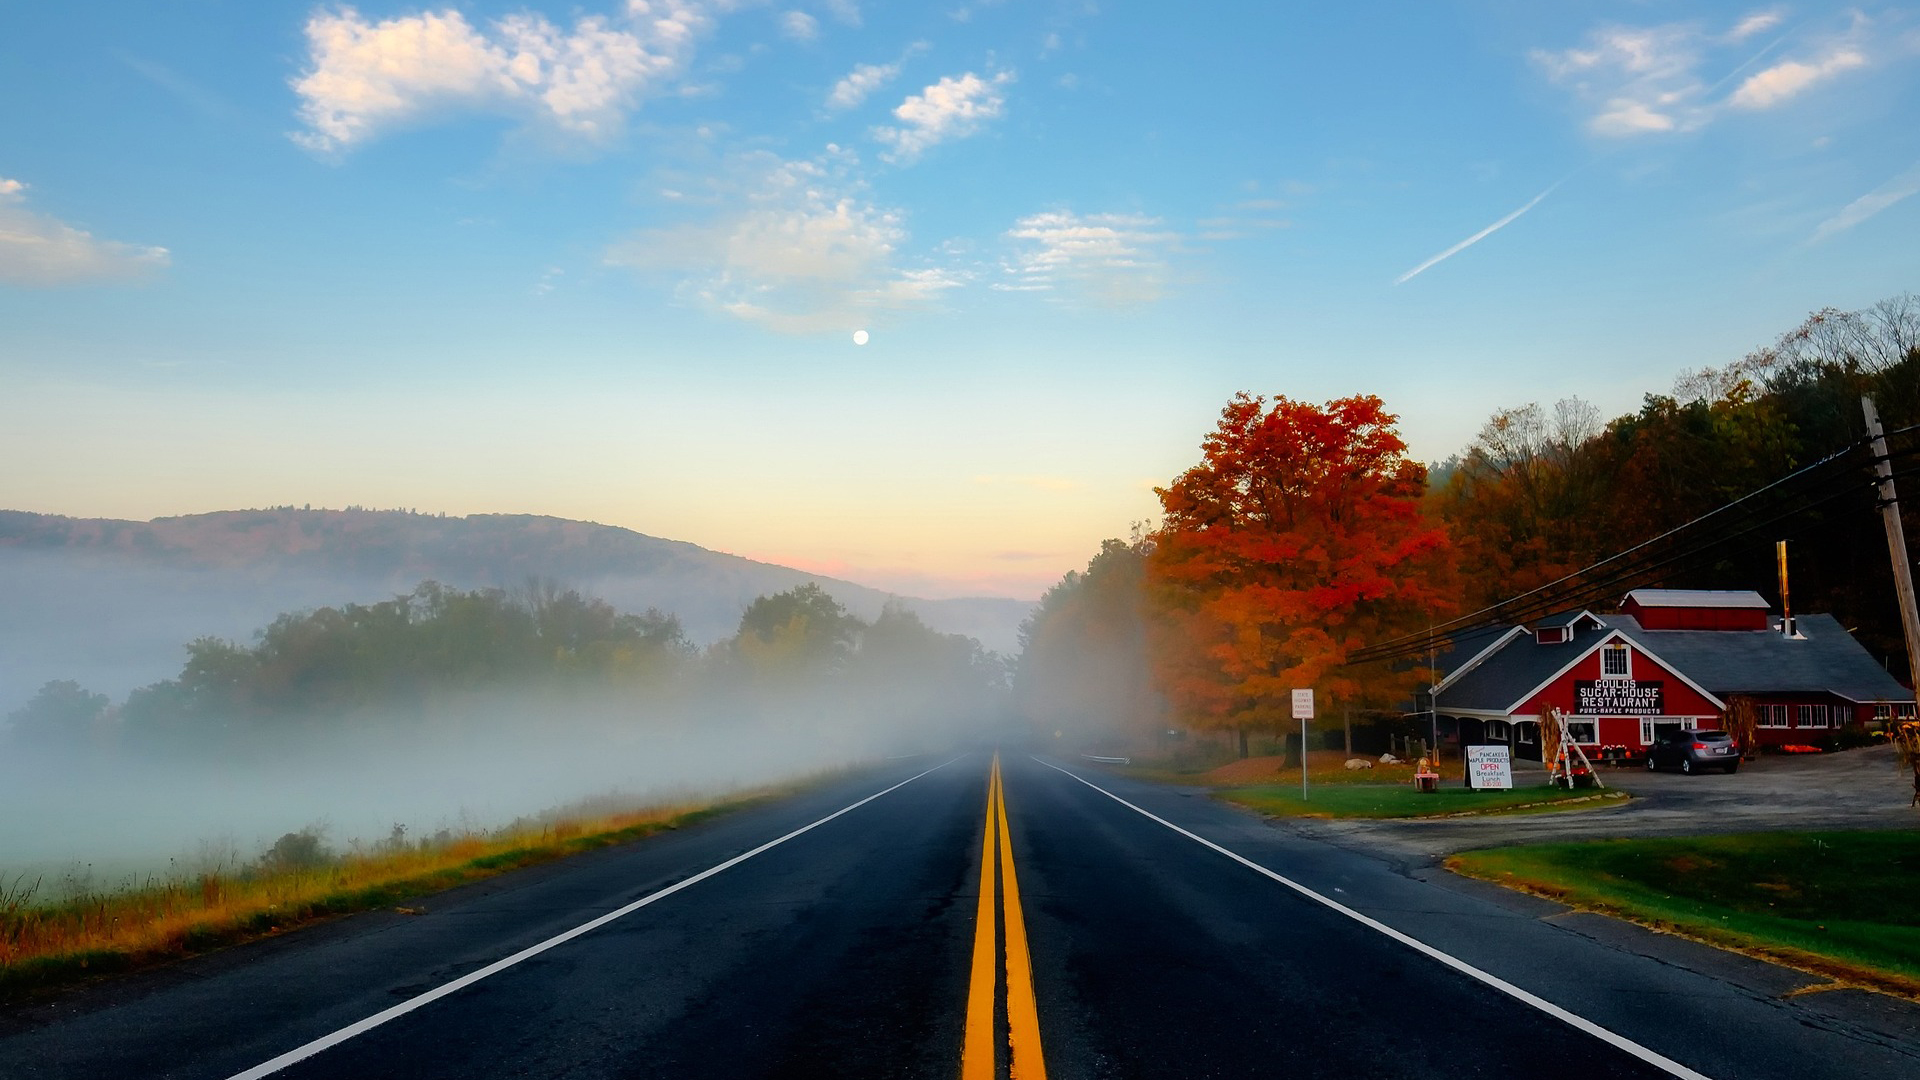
(1896, 537)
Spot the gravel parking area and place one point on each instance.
(1853, 789)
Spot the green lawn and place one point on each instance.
(1846, 898)
(1402, 801)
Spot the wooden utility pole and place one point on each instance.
(1896, 538)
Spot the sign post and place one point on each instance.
(1303, 712)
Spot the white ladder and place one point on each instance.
(1560, 769)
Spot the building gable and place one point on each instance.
(1651, 686)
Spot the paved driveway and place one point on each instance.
(1854, 789)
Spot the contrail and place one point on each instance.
(1475, 238)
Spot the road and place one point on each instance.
(746, 947)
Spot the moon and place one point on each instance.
(859, 337)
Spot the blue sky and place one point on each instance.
(605, 261)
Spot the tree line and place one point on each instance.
(1306, 533)
(437, 649)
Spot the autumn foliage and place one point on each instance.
(1297, 539)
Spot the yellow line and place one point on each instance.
(976, 1057)
(1023, 1016)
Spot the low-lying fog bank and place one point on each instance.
(96, 820)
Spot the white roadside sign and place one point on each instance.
(1303, 704)
(1489, 767)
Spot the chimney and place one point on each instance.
(1786, 604)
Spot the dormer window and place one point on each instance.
(1616, 662)
(1552, 635)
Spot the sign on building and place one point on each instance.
(1489, 767)
(1619, 697)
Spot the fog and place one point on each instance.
(479, 765)
(444, 711)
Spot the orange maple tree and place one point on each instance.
(1298, 538)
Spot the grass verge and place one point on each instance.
(1832, 903)
(47, 945)
(1379, 801)
(1324, 768)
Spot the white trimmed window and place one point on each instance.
(1771, 716)
(1584, 732)
(1616, 662)
(1646, 727)
(1526, 734)
(1903, 709)
(1810, 716)
(1883, 711)
(1497, 729)
(1839, 716)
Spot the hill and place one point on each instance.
(110, 603)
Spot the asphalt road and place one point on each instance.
(847, 951)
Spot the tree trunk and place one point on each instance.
(1243, 744)
(1346, 721)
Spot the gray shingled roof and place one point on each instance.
(1825, 658)
(1765, 661)
(1699, 598)
(1509, 674)
(1564, 618)
(1467, 645)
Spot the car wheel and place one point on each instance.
(1650, 765)
(1686, 765)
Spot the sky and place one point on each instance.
(606, 260)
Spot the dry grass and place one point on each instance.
(45, 942)
(1323, 767)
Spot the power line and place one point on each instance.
(1646, 557)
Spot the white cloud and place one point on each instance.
(860, 82)
(864, 79)
(801, 249)
(953, 108)
(1904, 186)
(1115, 260)
(1636, 79)
(845, 11)
(1645, 80)
(1624, 116)
(799, 26)
(366, 77)
(1757, 23)
(1784, 80)
(37, 249)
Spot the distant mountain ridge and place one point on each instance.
(116, 599)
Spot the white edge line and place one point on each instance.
(1579, 1022)
(301, 1053)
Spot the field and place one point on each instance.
(1837, 903)
(46, 941)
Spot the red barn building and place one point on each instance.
(1672, 657)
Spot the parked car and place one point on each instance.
(1694, 751)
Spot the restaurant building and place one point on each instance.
(1670, 658)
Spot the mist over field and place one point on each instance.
(484, 764)
(449, 712)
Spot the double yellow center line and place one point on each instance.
(1023, 1018)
